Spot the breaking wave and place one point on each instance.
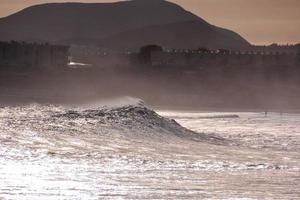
(122, 148)
(57, 128)
(136, 119)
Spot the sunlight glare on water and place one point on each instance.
(130, 152)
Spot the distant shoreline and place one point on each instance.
(223, 110)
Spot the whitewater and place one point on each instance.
(123, 149)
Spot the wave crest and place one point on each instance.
(137, 119)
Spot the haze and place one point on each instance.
(259, 21)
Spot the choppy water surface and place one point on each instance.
(130, 152)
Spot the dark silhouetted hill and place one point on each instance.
(121, 24)
(189, 34)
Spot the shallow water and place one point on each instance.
(257, 130)
(129, 152)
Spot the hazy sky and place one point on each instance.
(259, 21)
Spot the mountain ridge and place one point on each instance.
(56, 22)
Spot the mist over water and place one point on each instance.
(125, 150)
(71, 129)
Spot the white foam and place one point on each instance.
(116, 103)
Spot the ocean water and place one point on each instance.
(128, 151)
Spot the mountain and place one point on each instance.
(118, 25)
(189, 34)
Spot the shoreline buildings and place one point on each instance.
(31, 55)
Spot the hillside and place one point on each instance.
(137, 21)
(188, 34)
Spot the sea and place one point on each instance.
(123, 149)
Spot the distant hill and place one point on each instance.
(119, 25)
(189, 34)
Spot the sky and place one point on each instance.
(258, 21)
